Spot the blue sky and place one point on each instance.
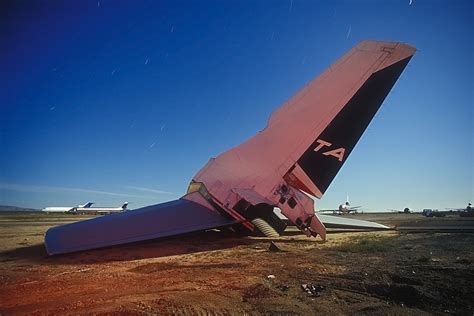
(112, 101)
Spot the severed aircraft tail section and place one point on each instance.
(294, 158)
(307, 139)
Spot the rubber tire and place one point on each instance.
(265, 228)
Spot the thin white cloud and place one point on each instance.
(50, 189)
(150, 190)
(349, 31)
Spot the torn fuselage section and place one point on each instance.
(256, 212)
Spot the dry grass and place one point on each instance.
(367, 245)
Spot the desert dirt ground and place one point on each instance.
(215, 273)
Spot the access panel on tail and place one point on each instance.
(301, 150)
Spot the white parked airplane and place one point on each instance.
(101, 210)
(344, 208)
(65, 209)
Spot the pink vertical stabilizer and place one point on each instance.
(306, 140)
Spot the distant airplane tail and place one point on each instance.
(87, 205)
(124, 206)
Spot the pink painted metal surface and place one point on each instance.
(304, 145)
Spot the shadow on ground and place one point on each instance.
(164, 247)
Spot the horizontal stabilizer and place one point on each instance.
(349, 223)
(161, 220)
